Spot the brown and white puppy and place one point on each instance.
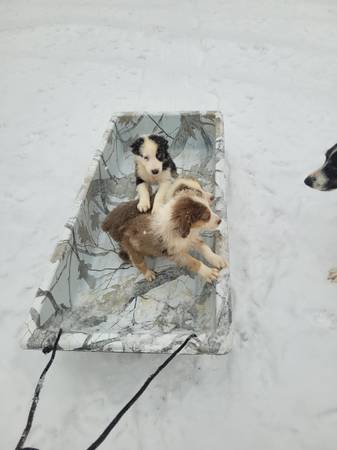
(115, 221)
(172, 231)
(178, 224)
(153, 166)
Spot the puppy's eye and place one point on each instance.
(146, 158)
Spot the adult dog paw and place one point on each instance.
(332, 275)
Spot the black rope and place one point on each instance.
(36, 399)
(121, 413)
(115, 420)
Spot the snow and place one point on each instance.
(270, 66)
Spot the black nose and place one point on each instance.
(309, 181)
(155, 171)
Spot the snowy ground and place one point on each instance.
(271, 67)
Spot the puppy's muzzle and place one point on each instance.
(310, 180)
(317, 180)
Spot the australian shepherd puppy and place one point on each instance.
(153, 166)
(172, 231)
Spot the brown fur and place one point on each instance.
(188, 261)
(188, 213)
(131, 229)
(137, 237)
(184, 187)
(115, 221)
(138, 234)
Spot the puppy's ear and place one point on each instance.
(183, 225)
(136, 146)
(187, 212)
(181, 217)
(160, 141)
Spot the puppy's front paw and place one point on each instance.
(149, 275)
(218, 261)
(208, 273)
(144, 205)
(332, 275)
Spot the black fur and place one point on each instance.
(139, 180)
(161, 142)
(136, 145)
(328, 153)
(169, 164)
(329, 170)
(163, 154)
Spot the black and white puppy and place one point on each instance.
(325, 178)
(153, 166)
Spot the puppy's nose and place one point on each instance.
(155, 171)
(218, 221)
(309, 181)
(211, 198)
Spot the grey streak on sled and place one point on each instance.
(104, 304)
